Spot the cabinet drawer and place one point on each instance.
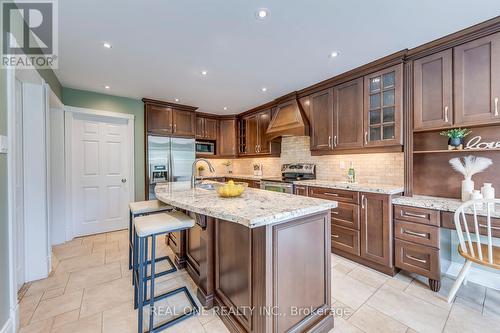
(448, 222)
(345, 239)
(346, 215)
(418, 215)
(417, 233)
(336, 195)
(418, 259)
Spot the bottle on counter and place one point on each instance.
(351, 174)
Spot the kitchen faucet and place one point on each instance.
(193, 169)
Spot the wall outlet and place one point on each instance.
(4, 144)
(342, 165)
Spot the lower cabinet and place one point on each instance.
(361, 226)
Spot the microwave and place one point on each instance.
(205, 148)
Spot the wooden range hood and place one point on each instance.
(289, 119)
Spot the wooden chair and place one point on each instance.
(482, 253)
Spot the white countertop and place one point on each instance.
(437, 203)
(372, 188)
(254, 208)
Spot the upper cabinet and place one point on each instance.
(383, 107)
(321, 119)
(169, 119)
(477, 81)
(206, 128)
(348, 115)
(433, 91)
(252, 133)
(226, 140)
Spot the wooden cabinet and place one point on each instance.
(300, 190)
(383, 103)
(226, 139)
(164, 118)
(433, 91)
(348, 115)
(159, 119)
(321, 119)
(376, 228)
(253, 139)
(477, 81)
(206, 128)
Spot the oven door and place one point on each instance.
(277, 187)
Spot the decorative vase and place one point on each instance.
(455, 143)
(476, 195)
(488, 192)
(467, 188)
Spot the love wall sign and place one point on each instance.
(476, 143)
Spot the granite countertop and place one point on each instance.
(254, 208)
(231, 175)
(437, 203)
(371, 188)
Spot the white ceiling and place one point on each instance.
(160, 46)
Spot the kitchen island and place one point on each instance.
(262, 258)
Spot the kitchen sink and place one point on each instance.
(206, 186)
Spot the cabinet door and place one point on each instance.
(251, 134)
(264, 118)
(383, 107)
(184, 123)
(477, 81)
(433, 91)
(200, 127)
(321, 120)
(376, 231)
(211, 126)
(159, 119)
(348, 115)
(300, 190)
(226, 142)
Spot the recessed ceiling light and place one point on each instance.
(107, 87)
(176, 99)
(262, 13)
(264, 89)
(204, 73)
(334, 54)
(107, 45)
(225, 108)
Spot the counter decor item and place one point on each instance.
(488, 193)
(229, 166)
(351, 174)
(456, 137)
(230, 189)
(257, 169)
(476, 195)
(201, 171)
(468, 166)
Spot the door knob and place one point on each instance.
(124, 180)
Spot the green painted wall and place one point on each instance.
(4, 226)
(98, 101)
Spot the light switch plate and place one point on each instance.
(4, 144)
(342, 165)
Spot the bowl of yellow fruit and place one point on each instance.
(230, 189)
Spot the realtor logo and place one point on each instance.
(29, 34)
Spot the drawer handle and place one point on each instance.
(445, 114)
(335, 212)
(413, 233)
(335, 236)
(421, 216)
(496, 106)
(332, 194)
(416, 259)
(492, 227)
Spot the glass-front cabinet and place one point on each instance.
(383, 107)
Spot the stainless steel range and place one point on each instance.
(289, 174)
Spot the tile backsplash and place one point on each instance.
(379, 168)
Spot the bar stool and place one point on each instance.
(141, 208)
(146, 227)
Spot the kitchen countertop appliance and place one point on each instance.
(169, 160)
(289, 174)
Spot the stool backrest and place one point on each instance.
(486, 207)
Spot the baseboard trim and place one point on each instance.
(476, 275)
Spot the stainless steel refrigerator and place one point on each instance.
(169, 160)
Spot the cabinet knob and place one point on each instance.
(366, 137)
(335, 141)
(496, 106)
(445, 114)
(329, 141)
(175, 128)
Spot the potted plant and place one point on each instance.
(201, 170)
(456, 137)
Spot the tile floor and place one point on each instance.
(90, 291)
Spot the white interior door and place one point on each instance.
(101, 173)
